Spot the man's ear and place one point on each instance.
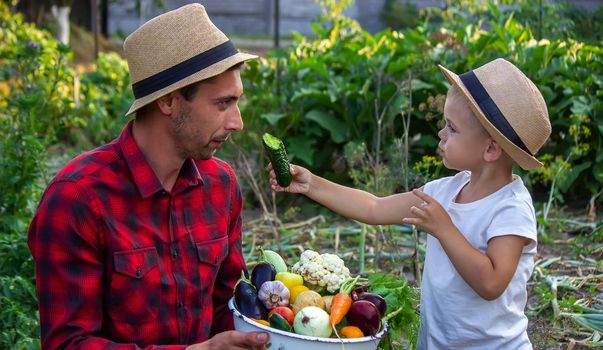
(493, 151)
(166, 103)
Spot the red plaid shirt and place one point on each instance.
(122, 264)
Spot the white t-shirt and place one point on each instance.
(453, 315)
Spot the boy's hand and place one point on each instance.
(299, 184)
(429, 215)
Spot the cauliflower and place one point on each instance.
(323, 270)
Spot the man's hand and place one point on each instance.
(233, 340)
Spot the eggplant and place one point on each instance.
(376, 299)
(364, 315)
(246, 300)
(261, 273)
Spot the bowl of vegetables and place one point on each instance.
(283, 340)
(286, 304)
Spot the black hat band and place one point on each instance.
(490, 109)
(183, 69)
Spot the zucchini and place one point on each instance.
(278, 157)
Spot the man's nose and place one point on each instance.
(235, 121)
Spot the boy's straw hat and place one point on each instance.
(509, 106)
(174, 50)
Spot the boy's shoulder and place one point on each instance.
(453, 181)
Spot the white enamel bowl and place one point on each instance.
(281, 340)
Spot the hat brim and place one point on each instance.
(524, 160)
(206, 73)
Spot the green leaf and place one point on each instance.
(598, 172)
(427, 141)
(336, 128)
(301, 147)
(581, 105)
(272, 118)
(568, 177)
(421, 85)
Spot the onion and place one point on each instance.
(312, 321)
(364, 315)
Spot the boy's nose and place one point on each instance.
(442, 133)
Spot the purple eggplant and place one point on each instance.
(364, 315)
(246, 300)
(261, 273)
(376, 299)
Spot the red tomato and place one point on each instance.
(284, 311)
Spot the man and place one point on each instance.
(138, 243)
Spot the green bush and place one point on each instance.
(43, 102)
(18, 301)
(347, 85)
(105, 99)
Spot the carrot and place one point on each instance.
(342, 301)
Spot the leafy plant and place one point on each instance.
(105, 98)
(402, 301)
(18, 314)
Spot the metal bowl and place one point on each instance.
(281, 340)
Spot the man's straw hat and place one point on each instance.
(174, 50)
(509, 106)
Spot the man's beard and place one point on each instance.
(181, 138)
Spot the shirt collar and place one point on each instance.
(143, 175)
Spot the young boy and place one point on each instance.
(481, 221)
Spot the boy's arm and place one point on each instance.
(487, 273)
(349, 202)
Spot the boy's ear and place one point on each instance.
(493, 151)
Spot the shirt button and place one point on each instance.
(174, 253)
(216, 260)
(180, 305)
(138, 271)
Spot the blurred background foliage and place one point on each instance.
(356, 107)
(346, 86)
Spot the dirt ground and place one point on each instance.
(573, 255)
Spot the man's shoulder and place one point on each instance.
(89, 164)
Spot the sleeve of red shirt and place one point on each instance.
(66, 242)
(231, 268)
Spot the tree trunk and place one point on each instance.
(61, 15)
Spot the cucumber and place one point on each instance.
(278, 157)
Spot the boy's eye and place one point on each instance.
(450, 127)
